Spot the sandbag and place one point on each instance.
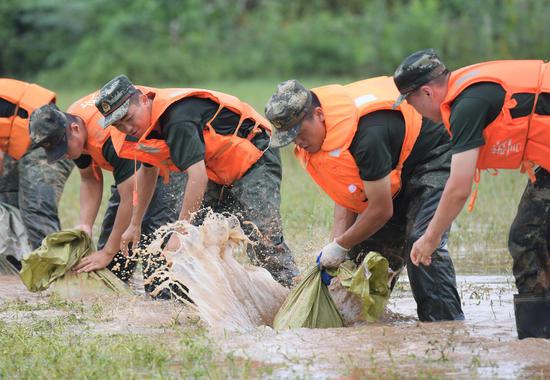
(308, 305)
(368, 282)
(50, 264)
(361, 292)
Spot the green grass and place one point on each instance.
(478, 240)
(66, 347)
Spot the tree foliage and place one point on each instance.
(182, 41)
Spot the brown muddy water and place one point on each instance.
(239, 298)
(483, 346)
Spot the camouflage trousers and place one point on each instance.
(529, 238)
(35, 187)
(256, 198)
(434, 286)
(164, 208)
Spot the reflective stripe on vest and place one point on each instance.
(333, 168)
(14, 130)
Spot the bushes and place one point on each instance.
(188, 41)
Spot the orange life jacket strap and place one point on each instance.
(250, 136)
(209, 123)
(165, 173)
(537, 93)
(473, 197)
(96, 170)
(15, 113)
(477, 179)
(135, 191)
(529, 168)
(238, 126)
(254, 132)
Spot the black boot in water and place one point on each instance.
(532, 314)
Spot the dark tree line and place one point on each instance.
(67, 42)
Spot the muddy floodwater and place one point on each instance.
(483, 346)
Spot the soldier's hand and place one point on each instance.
(85, 228)
(95, 261)
(332, 255)
(422, 249)
(173, 244)
(130, 238)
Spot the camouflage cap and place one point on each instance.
(416, 70)
(285, 110)
(113, 99)
(48, 128)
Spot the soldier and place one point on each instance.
(362, 154)
(498, 116)
(78, 136)
(222, 145)
(26, 180)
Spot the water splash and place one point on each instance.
(227, 291)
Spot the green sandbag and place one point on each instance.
(308, 305)
(368, 281)
(311, 305)
(50, 265)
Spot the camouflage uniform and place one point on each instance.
(433, 286)
(164, 208)
(35, 187)
(256, 198)
(286, 109)
(529, 239)
(416, 70)
(529, 234)
(48, 127)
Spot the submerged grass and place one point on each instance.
(66, 347)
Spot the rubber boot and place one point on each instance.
(532, 312)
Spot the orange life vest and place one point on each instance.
(97, 135)
(333, 168)
(14, 130)
(227, 157)
(510, 143)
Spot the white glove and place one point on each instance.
(332, 255)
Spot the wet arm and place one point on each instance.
(455, 194)
(122, 218)
(343, 219)
(197, 179)
(91, 192)
(378, 212)
(100, 259)
(146, 184)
